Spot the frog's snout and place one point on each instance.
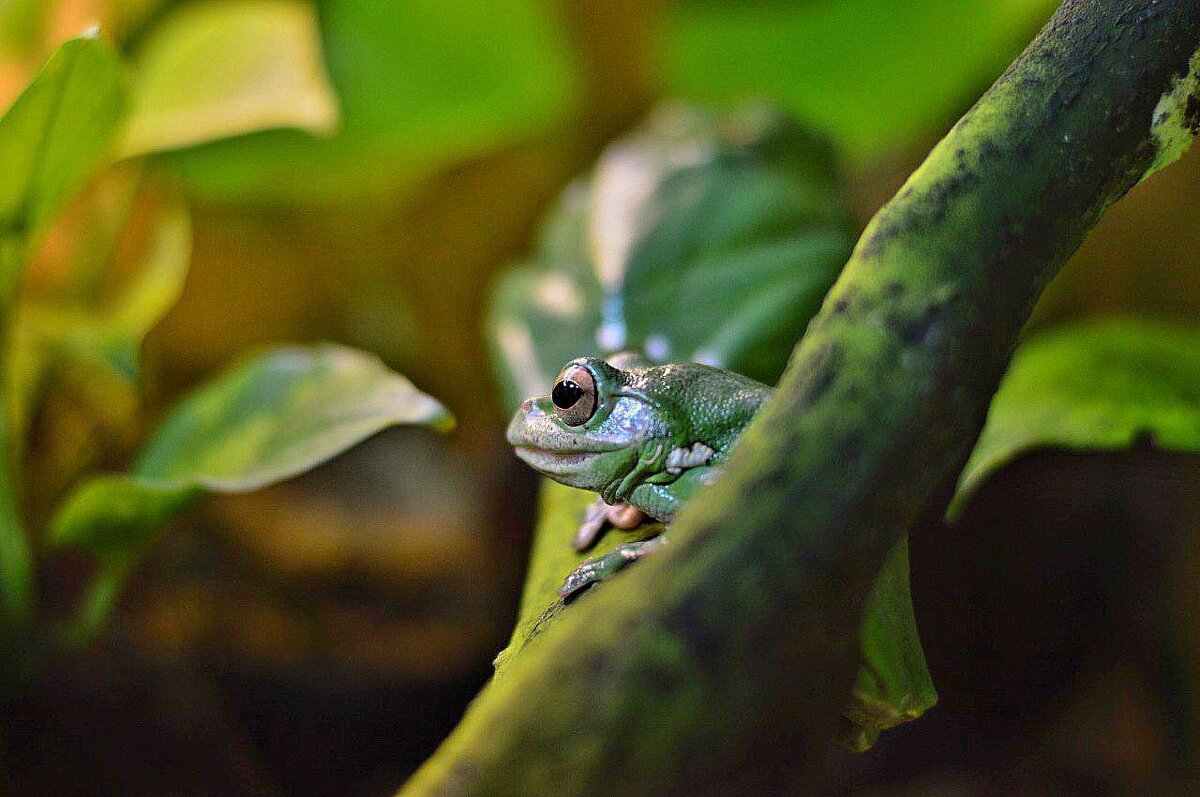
(528, 410)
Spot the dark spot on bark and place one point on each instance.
(1144, 440)
(691, 623)
(598, 666)
(820, 378)
(661, 678)
(1191, 114)
(852, 447)
(921, 329)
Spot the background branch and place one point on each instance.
(737, 642)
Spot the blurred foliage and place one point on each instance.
(83, 307)
(1112, 384)
(874, 74)
(262, 422)
(214, 70)
(21, 23)
(51, 140)
(699, 237)
(422, 84)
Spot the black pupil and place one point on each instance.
(565, 394)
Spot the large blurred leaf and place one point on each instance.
(21, 23)
(51, 140)
(422, 83)
(264, 421)
(1103, 385)
(128, 16)
(122, 269)
(218, 69)
(109, 270)
(873, 73)
(700, 237)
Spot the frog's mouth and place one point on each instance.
(555, 463)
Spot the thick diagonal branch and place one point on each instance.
(721, 663)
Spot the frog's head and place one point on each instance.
(589, 430)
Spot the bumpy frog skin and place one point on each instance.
(645, 437)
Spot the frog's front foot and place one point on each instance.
(598, 514)
(596, 570)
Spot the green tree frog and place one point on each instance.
(644, 437)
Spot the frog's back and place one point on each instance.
(715, 404)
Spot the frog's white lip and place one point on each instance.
(554, 461)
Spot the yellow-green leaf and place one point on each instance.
(1096, 386)
(52, 139)
(140, 288)
(219, 69)
(263, 421)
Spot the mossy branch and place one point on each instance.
(721, 663)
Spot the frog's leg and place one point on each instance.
(596, 570)
(663, 500)
(651, 461)
(599, 513)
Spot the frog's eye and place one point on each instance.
(574, 395)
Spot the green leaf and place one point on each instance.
(266, 420)
(52, 139)
(1097, 386)
(874, 74)
(893, 684)
(114, 513)
(700, 237)
(219, 69)
(422, 84)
